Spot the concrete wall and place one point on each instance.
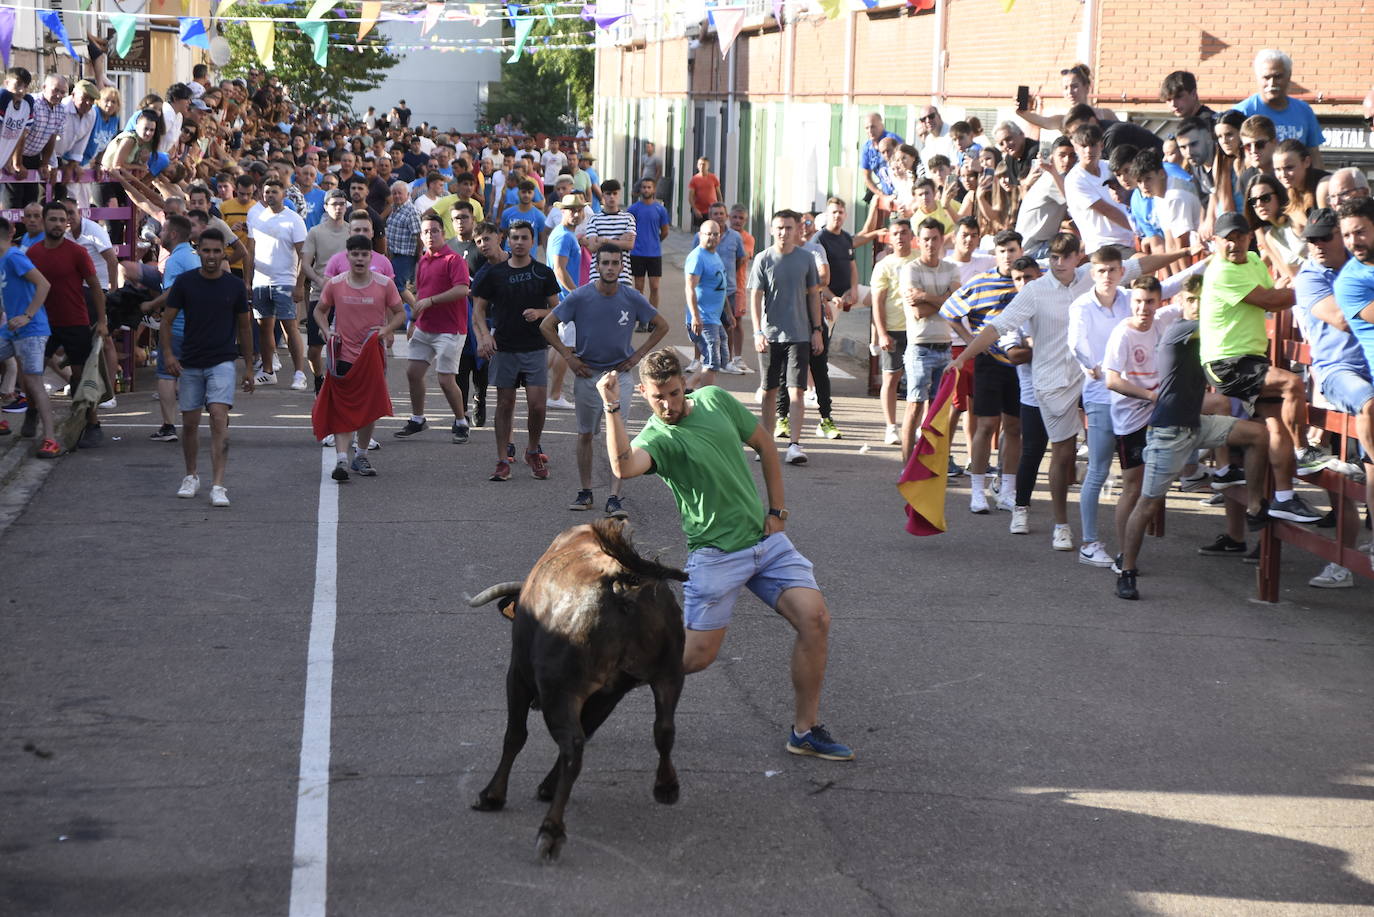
(445, 88)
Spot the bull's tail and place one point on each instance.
(495, 592)
(612, 535)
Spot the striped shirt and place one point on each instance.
(47, 120)
(403, 230)
(609, 226)
(979, 301)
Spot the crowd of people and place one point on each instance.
(1087, 278)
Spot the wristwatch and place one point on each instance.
(815, 327)
(780, 513)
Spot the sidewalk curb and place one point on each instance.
(21, 476)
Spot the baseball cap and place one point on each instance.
(1230, 222)
(1321, 224)
(199, 104)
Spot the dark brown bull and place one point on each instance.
(592, 620)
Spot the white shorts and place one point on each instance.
(442, 349)
(1059, 410)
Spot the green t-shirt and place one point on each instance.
(1229, 326)
(701, 461)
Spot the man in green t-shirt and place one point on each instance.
(1236, 293)
(693, 443)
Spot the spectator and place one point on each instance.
(1277, 239)
(403, 234)
(1100, 217)
(1076, 82)
(704, 189)
(40, 137)
(1114, 133)
(871, 161)
(1290, 117)
(1019, 151)
(1179, 90)
(1293, 168)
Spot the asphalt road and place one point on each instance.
(1026, 742)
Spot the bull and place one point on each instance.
(592, 620)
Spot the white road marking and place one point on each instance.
(309, 863)
(689, 354)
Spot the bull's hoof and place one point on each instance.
(666, 793)
(489, 803)
(546, 790)
(550, 843)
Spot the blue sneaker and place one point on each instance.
(818, 743)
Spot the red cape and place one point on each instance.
(351, 402)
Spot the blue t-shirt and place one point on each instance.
(314, 207)
(1331, 348)
(1143, 208)
(596, 180)
(1296, 121)
(649, 219)
(730, 250)
(534, 216)
(711, 287)
(871, 160)
(1354, 288)
(104, 131)
(564, 242)
(17, 293)
(512, 196)
(182, 259)
(605, 324)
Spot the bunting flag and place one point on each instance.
(371, 10)
(548, 14)
(588, 12)
(125, 24)
(832, 8)
(921, 6)
(193, 33)
(320, 7)
(433, 10)
(6, 34)
(523, 24)
(777, 11)
(1007, 5)
(729, 20)
(219, 9)
(318, 32)
(478, 12)
(53, 20)
(264, 32)
(605, 22)
(926, 475)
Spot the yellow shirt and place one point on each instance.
(887, 276)
(444, 207)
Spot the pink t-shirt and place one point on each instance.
(338, 264)
(436, 274)
(358, 310)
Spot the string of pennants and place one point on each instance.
(728, 20)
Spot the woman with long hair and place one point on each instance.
(1076, 83)
(1293, 169)
(1279, 242)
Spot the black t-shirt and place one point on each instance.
(403, 116)
(415, 159)
(1019, 166)
(839, 254)
(1182, 383)
(510, 291)
(1119, 132)
(212, 309)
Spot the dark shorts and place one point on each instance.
(996, 390)
(313, 336)
(894, 360)
(646, 265)
(1239, 377)
(75, 341)
(787, 365)
(1130, 448)
(963, 386)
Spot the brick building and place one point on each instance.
(781, 114)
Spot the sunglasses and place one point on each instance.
(1320, 240)
(1255, 144)
(927, 118)
(1262, 199)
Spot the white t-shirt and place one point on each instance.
(1179, 211)
(553, 164)
(1042, 212)
(1081, 190)
(76, 131)
(173, 122)
(275, 236)
(933, 329)
(96, 241)
(16, 116)
(1132, 354)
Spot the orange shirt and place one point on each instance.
(705, 191)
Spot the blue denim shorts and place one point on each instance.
(174, 340)
(712, 344)
(274, 302)
(1347, 391)
(924, 366)
(29, 351)
(715, 577)
(200, 388)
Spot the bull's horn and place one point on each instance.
(494, 592)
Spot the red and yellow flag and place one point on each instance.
(926, 474)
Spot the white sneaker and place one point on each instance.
(811, 399)
(109, 405)
(740, 367)
(561, 404)
(1094, 554)
(297, 385)
(758, 396)
(978, 502)
(190, 485)
(1007, 502)
(219, 496)
(265, 378)
(892, 436)
(692, 367)
(1334, 576)
(1063, 538)
(1020, 520)
(795, 455)
(733, 368)
(328, 441)
(373, 445)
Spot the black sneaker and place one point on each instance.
(479, 414)
(166, 433)
(1328, 521)
(1125, 586)
(1256, 522)
(340, 472)
(1233, 477)
(460, 431)
(614, 509)
(1294, 509)
(91, 437)
(583, 501)
(510, 451)
(411, 428)
(1224, 546)
(29, 428)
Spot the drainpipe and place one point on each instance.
(730, 129)
(850, 33)
(1085, 35)
(937, 57)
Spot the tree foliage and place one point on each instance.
(550, 90)
(349, 71)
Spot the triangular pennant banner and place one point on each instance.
(433, 11)
(729, 20)
(221, 8)
(370, 11)
(523, 24)
(193, 33)
(832, 8)
(777, 11)
(264, 32)
(605, 22)
(6, 34)
(53, 20)
(319, 37)
(548, 14)
(125, 24)
(320, 7)
(1007, 5)
(478, 12)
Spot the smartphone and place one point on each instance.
(1022, 98)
